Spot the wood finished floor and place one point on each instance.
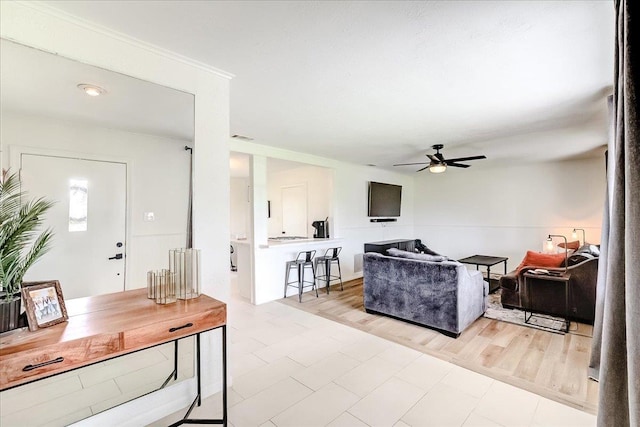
(549, 364)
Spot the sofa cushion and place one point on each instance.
(509, 281)
(412, 255)
(589, 249)
(538, 259)
(577, 258)
(420, 247)
(570, 245)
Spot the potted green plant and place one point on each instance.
(21, 243)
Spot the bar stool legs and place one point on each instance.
(330, 256)
(302, 261)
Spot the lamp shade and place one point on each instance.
(549, 247)
(574, 234)
(566, 251)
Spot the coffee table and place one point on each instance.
(487, 261)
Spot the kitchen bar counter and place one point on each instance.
(270, 261)
(298, 241)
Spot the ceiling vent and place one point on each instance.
(242, 137)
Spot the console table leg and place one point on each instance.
(198, 368)
(173, 374)
(224, 375)
(198, 399)
(175, 360)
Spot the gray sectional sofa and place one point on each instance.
(427, 290)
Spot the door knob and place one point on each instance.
(117, 256)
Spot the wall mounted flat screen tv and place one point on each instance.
(384, 199)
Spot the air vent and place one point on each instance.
(242, 137)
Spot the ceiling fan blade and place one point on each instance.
(465, 159)
(407, 164)
(433, 158)
(420, 170)
(457, 165)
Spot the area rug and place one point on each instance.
(496, 311)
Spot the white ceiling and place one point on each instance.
(380, 82)
(39, 83)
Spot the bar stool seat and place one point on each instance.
(330, 256)
(303, 261)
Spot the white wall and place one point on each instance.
(240, 207)
(159, 177)
(319, 184)
(35, 25)
(507, 211)
(350, 212)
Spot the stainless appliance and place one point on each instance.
(322, 229)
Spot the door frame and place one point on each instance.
(15, 162)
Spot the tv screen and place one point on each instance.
(384, 199)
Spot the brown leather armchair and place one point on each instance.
(582, 291)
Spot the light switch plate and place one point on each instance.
(149, 216)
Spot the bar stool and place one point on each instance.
(302, 261)
(233, 267)
(330, 256)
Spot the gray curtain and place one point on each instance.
(596, 343)
(619, 394)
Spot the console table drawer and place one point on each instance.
(36, 363)
(170, 330)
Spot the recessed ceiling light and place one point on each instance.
(91, 90)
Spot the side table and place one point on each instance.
(532, 282)
(487, 261)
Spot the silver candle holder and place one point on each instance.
(185, 263)
(161, 286)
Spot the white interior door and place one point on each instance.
(88, 219)
(294, 211)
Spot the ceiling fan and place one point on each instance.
(438, 163)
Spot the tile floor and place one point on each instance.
(291, 368)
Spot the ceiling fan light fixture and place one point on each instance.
(438, 168)
(91, 90)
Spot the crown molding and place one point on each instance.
(105, 31)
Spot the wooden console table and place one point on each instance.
(108, 326)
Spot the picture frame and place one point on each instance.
(44, 304)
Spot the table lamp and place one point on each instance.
(574, 234)
(566, 252)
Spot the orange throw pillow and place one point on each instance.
(538, 259)
(571, 245)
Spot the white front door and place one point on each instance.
(88, 219)
(294, 211)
